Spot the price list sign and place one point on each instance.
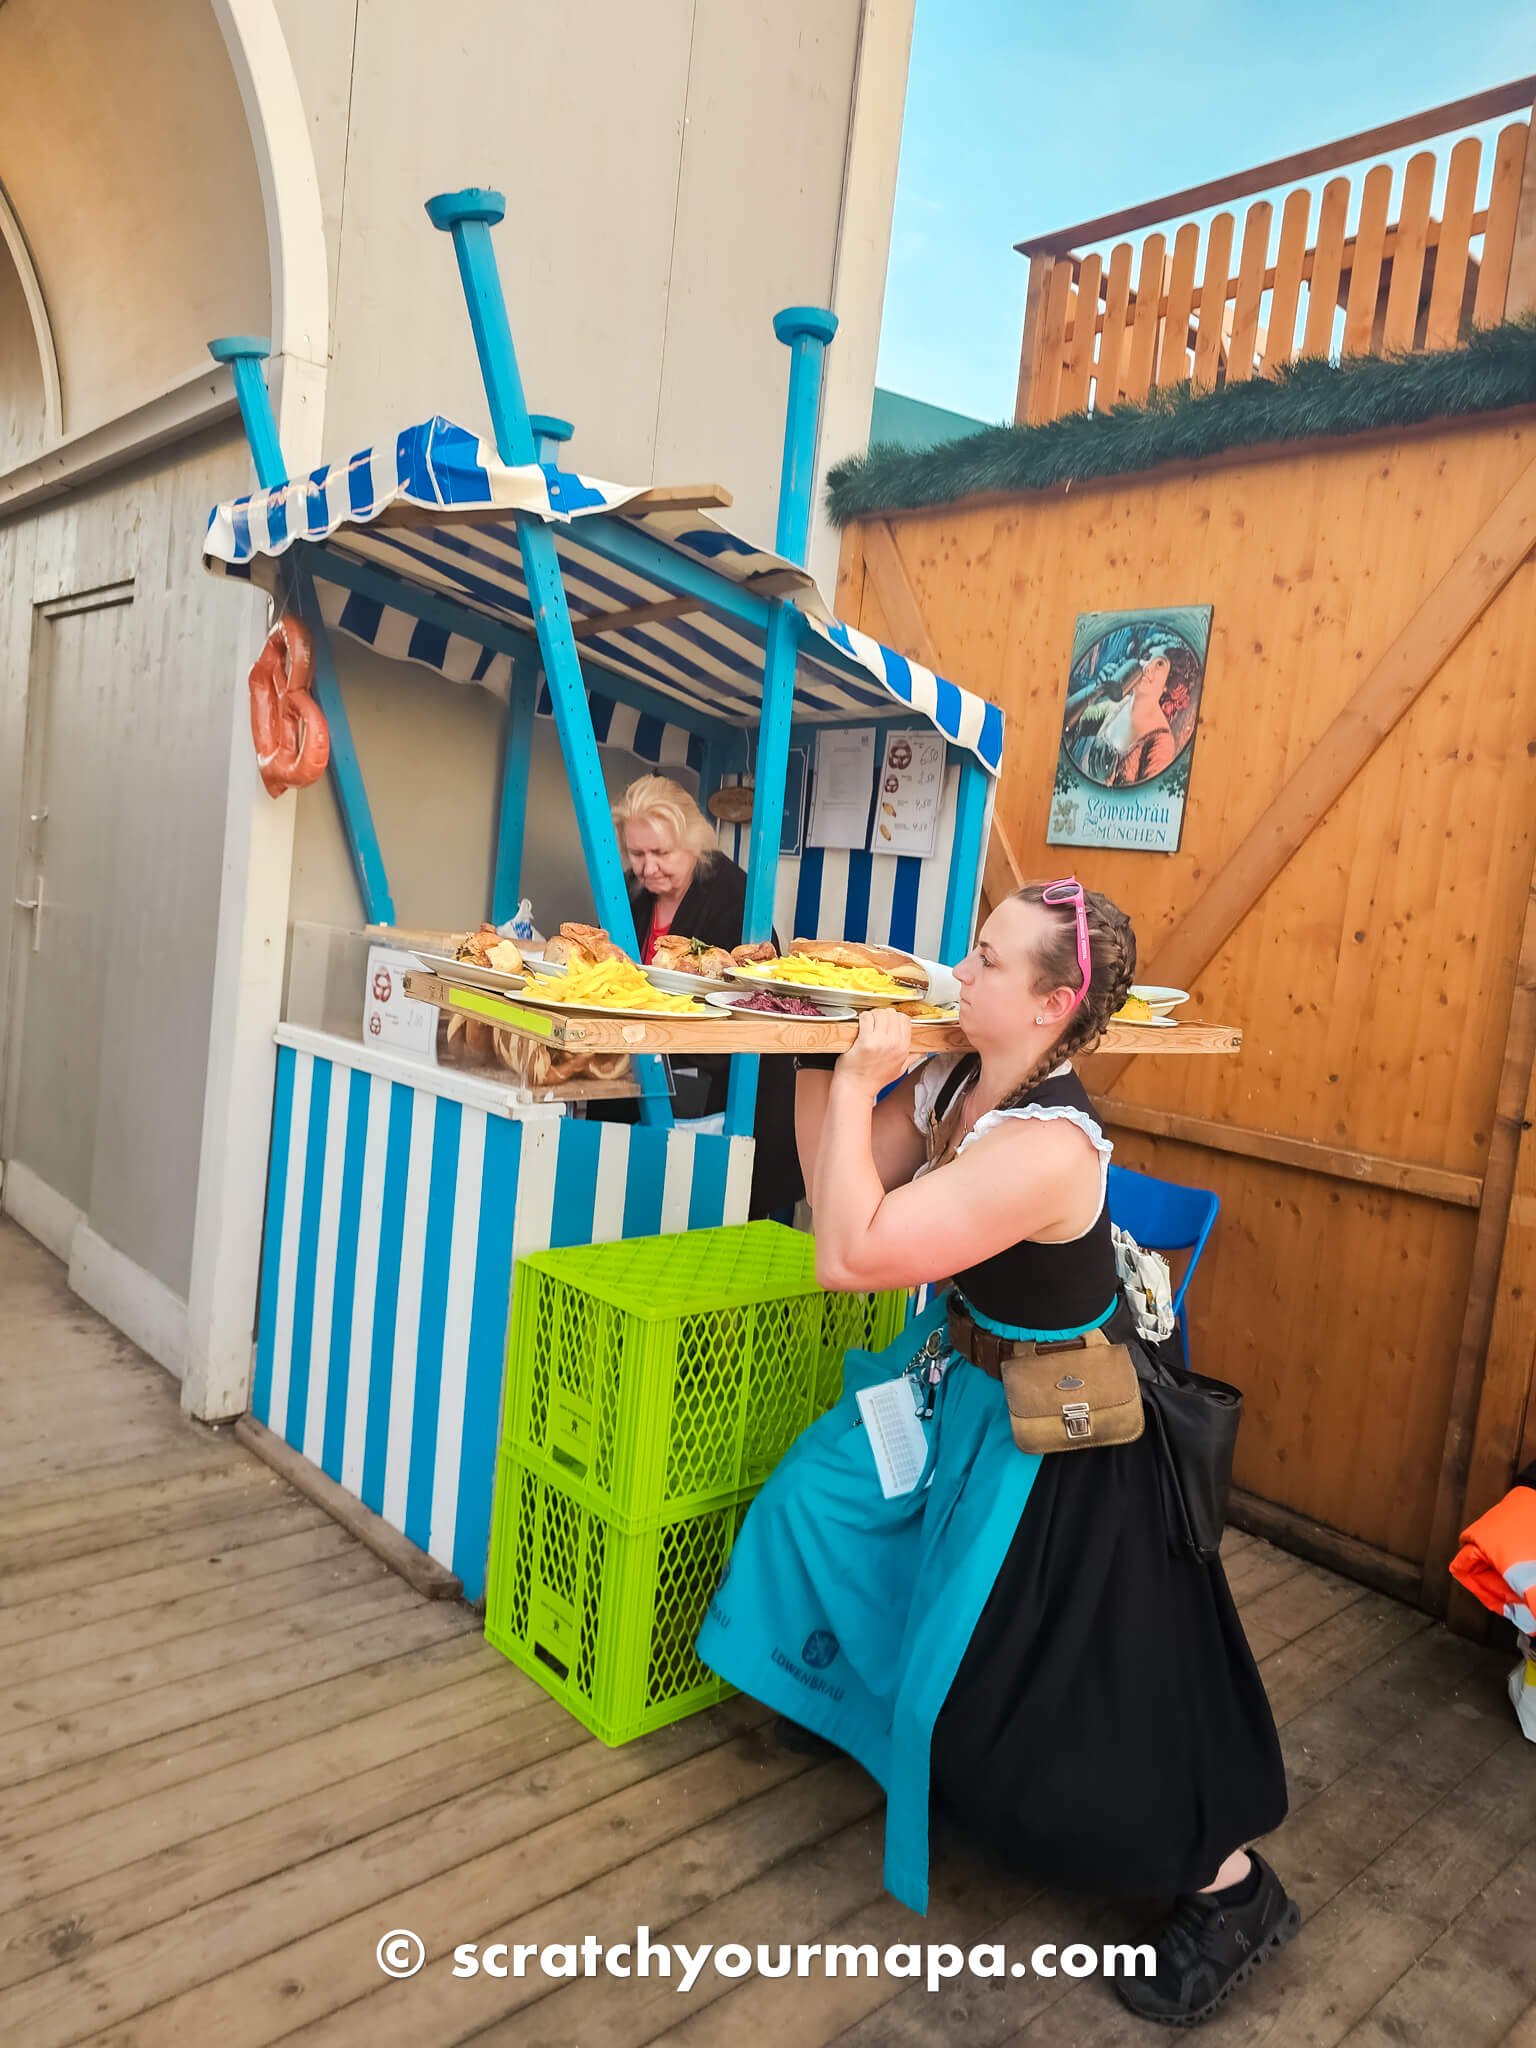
(910, 789)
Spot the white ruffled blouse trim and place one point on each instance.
(926, 1092)
(935, 1072)
(1040, 1113)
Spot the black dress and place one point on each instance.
(1108, 1728)
(713, 910)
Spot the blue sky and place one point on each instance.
(1024, 116)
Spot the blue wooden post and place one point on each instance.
(965, 859)
(772, 768)
(805, 331)
(711, 771)
(516, 764)
(245, 353)
(767, 817)
(549, 435)
(469, 216)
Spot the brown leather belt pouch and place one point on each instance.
(1065, 1394)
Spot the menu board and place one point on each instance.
(911, 787)
(845, 768)
(392, 1018)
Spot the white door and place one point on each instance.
(59, 1004)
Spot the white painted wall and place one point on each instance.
(162, 693)
(435, 804)
(676, 171)
(142, 235)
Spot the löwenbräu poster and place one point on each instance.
(1128, 728)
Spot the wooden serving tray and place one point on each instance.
(589, 1031)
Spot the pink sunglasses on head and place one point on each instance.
(1058, 894)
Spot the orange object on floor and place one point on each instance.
(1497, 1559)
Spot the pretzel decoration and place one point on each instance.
(293, 741)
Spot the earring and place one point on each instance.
(1039, 1020)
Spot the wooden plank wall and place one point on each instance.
(1373, 978)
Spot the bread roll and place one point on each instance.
(475, 948)
(580, 945)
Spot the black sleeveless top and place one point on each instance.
(1036, 1286)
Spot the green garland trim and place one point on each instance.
(1496, 368)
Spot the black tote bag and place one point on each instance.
(1195, 1421)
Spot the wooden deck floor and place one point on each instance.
(235, 1751)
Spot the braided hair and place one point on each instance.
(1112, 953)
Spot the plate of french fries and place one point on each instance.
(616, 987)
(850, 985)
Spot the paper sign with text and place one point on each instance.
(911, 790)
(391, 1018)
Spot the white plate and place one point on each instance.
(819, 992)
(1160, 1000)
(553, 1003)
(1148, 1023)
(541, 965)
(823, 1016)
(466, 970)
(677, 984)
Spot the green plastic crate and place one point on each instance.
(605, 1621)
(666, 1375)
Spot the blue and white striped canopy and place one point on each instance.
(703, 660)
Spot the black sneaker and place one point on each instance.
(1206, 1948)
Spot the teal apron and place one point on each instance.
(850, 1613)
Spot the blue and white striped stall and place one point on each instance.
(398, 1201)
(399, 1197)
(373, 513)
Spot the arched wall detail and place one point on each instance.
(258, 835)
(290, 190)
(42, 328)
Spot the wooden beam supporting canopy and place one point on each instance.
(773, 584)
(660, 498)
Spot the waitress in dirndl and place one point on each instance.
(1017, 1641)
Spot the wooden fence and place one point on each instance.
(1375, 264)
(1354, 888)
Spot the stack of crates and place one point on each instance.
(652, 1386)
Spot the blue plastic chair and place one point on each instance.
(1164, 1216)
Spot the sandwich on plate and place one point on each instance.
(487, 948)
(691, 956)
(901, 967)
